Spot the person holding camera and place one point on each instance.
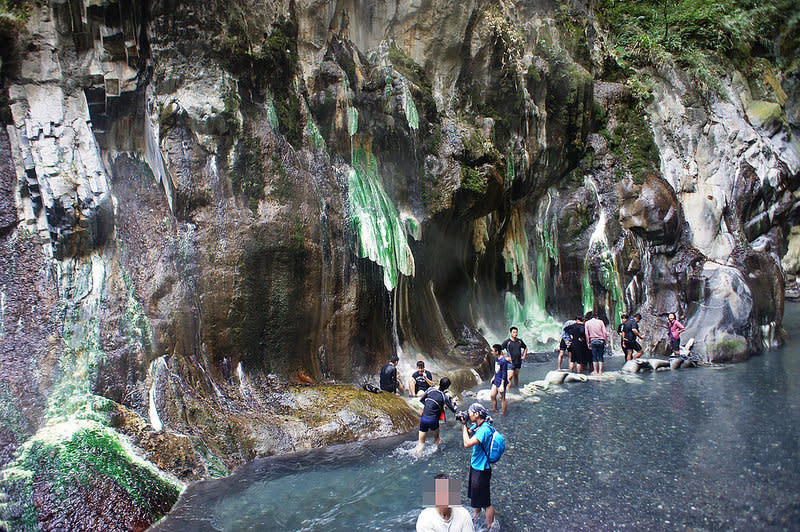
(478, 436)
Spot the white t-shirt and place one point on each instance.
(430, 520)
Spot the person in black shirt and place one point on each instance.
(517, 349)
(630, 330)
(581, 353)
(389, 381)
(433, 402)
(420, 381)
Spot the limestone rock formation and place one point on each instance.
(215, 218)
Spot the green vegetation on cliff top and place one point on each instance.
(650, 32)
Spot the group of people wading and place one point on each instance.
(584, 341)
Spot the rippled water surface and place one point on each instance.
(700, 449)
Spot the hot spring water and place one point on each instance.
(700, 449)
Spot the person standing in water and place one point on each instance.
(517, 349)
(444, 512)
(675, 330)
(596, 337)
(563, 347)
(478, 436)
(433, 402)
(500, 380)
(581, 356)
(631, 337)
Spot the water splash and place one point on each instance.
(410, 109)
(381, 236)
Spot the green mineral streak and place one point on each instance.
(352, 121)
(316, 137)
(387, 91)
(588, 296)
(272, 115)
(529, 316)
(412, 226)
(375, 219)
(510, 167)
(410, 109)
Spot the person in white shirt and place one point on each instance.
(442, 517)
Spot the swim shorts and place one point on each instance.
(426, 424)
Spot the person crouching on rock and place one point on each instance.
(479, 437)
(433, 402)
(420, 381)
(500, 380)
(389, 381)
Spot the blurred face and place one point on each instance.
(421, 370)
(671, 317)
(514, 334)
(473, 416)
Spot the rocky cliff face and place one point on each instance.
(207, 206)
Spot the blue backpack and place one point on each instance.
(497, 446)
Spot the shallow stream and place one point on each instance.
(699, 449)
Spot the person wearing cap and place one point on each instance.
(479, 436)
(433, 402)
(444, 512)
(420, 381)
(389, 381)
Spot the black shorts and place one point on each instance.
(390, 389)
(562, 346)
(426, 424)
(516, 365)
(478, 488)
(632, 345)
(676, 344)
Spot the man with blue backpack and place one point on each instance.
(487, 448)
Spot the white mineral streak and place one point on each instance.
(155, 366)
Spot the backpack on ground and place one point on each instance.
(368, 386)
(497, 446)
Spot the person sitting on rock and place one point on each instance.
(433, 402)
(389, 381)
(420, 381)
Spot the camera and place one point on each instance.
(462, 416)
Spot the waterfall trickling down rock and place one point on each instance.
(529, 315)
(600, 253)
(155, 366)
